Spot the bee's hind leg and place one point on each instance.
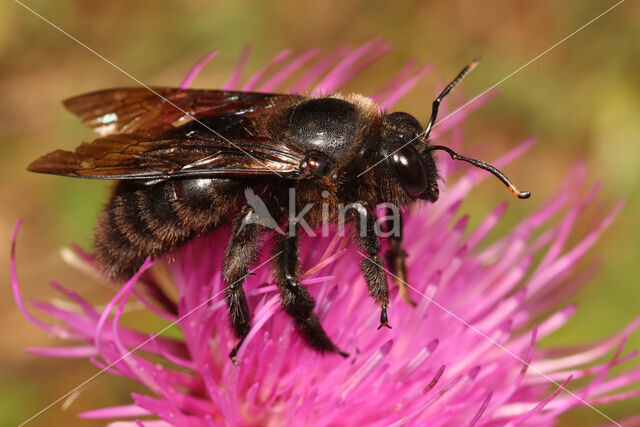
(296, 301)
(243, 250)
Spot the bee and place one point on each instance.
(181, 159)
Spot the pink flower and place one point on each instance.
(465, 355)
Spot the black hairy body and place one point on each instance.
(184, 159)
(141, 221)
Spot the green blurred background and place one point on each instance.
(581, 100)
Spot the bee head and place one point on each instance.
(411, 157)
(415, 172)
(410, 152)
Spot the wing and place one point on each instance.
(152, 135)
(149, 157)
(127, 110)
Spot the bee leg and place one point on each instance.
(243, 249)
(395, 258)
(296, 300)
(371, 264)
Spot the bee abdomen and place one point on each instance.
(125, 236)
(114, 250)
(142, 221)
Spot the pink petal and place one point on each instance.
(294, 65)
(68, 352)
(257, 76)
(401, 90)
(395, 81)
(15, 288)
(320, 67)
(346, 69)
(195, 70)
(234, 80)
(115, 412)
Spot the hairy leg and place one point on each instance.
(243, 250)
(371, 264)
(296, 301)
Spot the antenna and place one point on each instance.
(486, 166)
(445, 92)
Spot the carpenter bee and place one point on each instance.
(182, 159)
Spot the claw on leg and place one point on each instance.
(384, 321)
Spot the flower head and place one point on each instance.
(464, 355)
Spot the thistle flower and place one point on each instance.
(464, 355)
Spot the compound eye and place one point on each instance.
(410, 169)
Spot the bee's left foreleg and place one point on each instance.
(371, 264)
